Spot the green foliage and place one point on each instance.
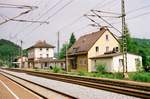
(81, 73)
(67, 46)
(143, 77)
(72, 40)
(56, 69)
(63, 51)
(118, 75)
(139, 47)
(8, 51)
(102, 75)
(101, 68)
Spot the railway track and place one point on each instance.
(42, 89)
(135, 89)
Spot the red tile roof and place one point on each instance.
(84, 43)
(41, 44)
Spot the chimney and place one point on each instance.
(103, 27)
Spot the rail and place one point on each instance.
(141, 90)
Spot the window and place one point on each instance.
(47, 49)
(40, 55)
(117, 49)
(107, 49)
(81, 62)
(120, 62)
(47, 55)
(137, 62)
(97, 49)
(85, 62)
(107, 37)
(75, 50)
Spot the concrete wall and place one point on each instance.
(102, 43)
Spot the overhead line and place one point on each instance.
(135, 10)
(41, 16)
(76, 20)
(60, 9)
(143, 14)
(106, 22)
(54, 14)
(16, 16)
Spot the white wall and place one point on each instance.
(131, 65)
(44, 53)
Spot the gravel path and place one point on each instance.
(81, 92)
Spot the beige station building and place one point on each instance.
(100, 47)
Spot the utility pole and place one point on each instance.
(58, 44)
(66, 57)
(21, 54)
(124, 40)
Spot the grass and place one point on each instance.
(140, 76)
(136, 76)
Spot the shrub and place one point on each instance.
(143, 77)
(118, 75)
(100, 68)
(56, 69)
(81, 73)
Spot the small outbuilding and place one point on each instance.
(114, 62)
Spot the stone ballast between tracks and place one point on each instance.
(76, 90)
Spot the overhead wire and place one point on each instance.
(106, 21)
(80, 17)
(60, 9)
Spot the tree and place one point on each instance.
(63, 51)
(8, 51)
(72, 40)
(140, 47)
(129, 39)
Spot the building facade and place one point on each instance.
(114, 62)
(40, 54)
(82, 53)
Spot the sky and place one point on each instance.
(67, 16)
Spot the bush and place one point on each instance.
(100, 68)
(143, 77)
(81, 73)
(36, 68)
(118, 75)
(56, 69)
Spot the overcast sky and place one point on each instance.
(69, 18)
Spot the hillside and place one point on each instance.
(138, 45)
(141, 47)
(8, 50)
